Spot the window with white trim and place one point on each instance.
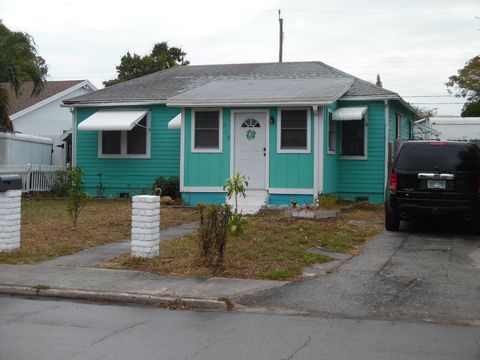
(294, 130)
(331, 134)
(206, 132)
(398, 126)
(354, 138)
(133, 143)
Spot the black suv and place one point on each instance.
(433, 178)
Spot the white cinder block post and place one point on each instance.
(10, 205)
(145, 226)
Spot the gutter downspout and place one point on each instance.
(74, 137)
(387, 135)
(316, 147)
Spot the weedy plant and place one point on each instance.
(327, 202)
(76, 195)
(213, 233)
(236, 186)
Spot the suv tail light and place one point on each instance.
(393, 182)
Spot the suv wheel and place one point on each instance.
(392, 222)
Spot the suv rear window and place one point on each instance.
(438, 156)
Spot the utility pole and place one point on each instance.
(280, 53)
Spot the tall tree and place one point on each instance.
(466, 84)
(19, 62)
(160, 58)
(379, 82)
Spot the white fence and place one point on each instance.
(34, 177)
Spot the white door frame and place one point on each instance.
(267, 143)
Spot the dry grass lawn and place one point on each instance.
(271, 247)
(47, 229)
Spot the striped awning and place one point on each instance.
(349, 113)
(112, 120)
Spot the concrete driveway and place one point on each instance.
(424, 272)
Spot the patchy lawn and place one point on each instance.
(271, 247)
(47, 229)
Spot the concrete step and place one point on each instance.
(252, 203)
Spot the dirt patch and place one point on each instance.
(271, 247)
(47, 230)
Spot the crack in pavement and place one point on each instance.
(387, 263)
(18, 318)
(301, 347)
(206, 347)
(113, 333)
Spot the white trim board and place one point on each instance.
(52, 98)
(291, 191)
(203, 189)
(182, 151)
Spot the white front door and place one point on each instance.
(250, 147)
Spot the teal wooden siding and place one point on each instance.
(365, 178)
(405, 125)
(207, 169)
(134, 176)
(286, 199)
(193, 198)
(292, 171)
(330, 162)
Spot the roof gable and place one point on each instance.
(25, 100)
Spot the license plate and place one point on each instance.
(436, 184)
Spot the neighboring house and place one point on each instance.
(448, 128)
(43, 115)
(295, 129)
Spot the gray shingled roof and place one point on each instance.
(163, 85)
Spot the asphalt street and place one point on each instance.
(51, 330)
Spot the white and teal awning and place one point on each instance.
(112, 120)
(176, 122)
(349, 113)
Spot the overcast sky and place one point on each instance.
(414, 45)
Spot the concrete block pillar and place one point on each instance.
(145, 226)
(10, 206)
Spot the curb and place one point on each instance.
(111, 296)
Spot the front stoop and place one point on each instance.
(252, 203)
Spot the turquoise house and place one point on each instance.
(294, 129)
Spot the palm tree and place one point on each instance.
(19, 62)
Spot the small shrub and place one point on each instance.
(61, 184)
(327, 202)
(235, 186)
(168, 186)
(76, 195)
(213, 233)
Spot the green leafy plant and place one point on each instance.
(294, 203)
(61, 184)
(76, 195)
(236, 186)
(168, 186)
(327, 202)
(213, 233)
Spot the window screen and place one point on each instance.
(353, 138)
(294, 130)
(331, 133)
(111, 142)
(207, 129)
(137, 139)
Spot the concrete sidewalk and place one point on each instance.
(70, 277)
